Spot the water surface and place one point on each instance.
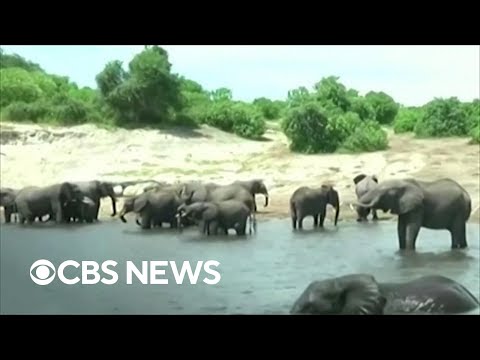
(261, 274)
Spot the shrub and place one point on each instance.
(236, 118)
(21, 111)
(367, 136)
(384, 106)
(442, 117)
(307, 128)
(475, 134)
(406, 120)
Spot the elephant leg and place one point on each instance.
(401, 232)
(322, 217)
(294, 222)
(146, 220)
(458, 234)
(204, 228)
(413, 225)
(374, 212)
(315, 220)
(8, 210)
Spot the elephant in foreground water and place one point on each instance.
(440, 204)
(363, 184)
(361, 294)
(306, 201)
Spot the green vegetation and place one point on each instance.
(146, 93)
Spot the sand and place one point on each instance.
(42, 155)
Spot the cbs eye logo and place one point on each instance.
(42, 272)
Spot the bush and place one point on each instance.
(406, 120)
(442, 117)
(21, 111)
(475, 134)
(270, 110)
(368, 136)
(236, 118)
(307, 128)
(472, 111)
(384, 106)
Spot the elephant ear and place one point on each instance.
(359, 178)
(140, 203)
(359, 295)
(410, 198)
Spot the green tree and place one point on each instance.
(442, 117)
(330, 90)
(221, 94)
(18, 85)
(384, 106)
(148, 93)
(16, 61)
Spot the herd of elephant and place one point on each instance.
(439, 204)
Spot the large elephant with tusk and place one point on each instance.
(439, 205)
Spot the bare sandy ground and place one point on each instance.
(40, 155)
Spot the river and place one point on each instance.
(262, 273)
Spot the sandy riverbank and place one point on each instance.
(40, 155)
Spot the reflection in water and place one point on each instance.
(261, 274)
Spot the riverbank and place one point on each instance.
(41, 155)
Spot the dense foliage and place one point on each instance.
(145, 92)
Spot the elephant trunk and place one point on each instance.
(337, 210)
(266, 200)
(122, 215)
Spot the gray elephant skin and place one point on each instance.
(439, 205)
(80, 211)
(153, 208)
(33, 201)
(7, 201)
(361, 294)
(307, 201)
(363, 184)
(229, 214)
(96, 190)
(244, 191)
(255, 186)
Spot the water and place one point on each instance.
(261, 274)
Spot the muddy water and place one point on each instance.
(260, 274)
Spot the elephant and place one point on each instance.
(79, 211)
(211, 192)
(306, 201)
(361, 294)
(153, 208)
(229, 214)
(255, 186)
(95, 190)
(7, 201)
(363, 184)
(34, 201)
(196, 191)
(439, 205)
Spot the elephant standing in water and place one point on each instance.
(33, 201)
(439, 204)
(361, 294)
(7, 201)
(364, 184)
(229, 214)
(255, 186)
(306, 201)
(153, 208)
(96, 190)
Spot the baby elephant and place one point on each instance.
(229, 214)
(364, 184)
